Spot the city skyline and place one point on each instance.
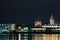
(16, 12)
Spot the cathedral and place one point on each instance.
(52, 36)
(38, 31)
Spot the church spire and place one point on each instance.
(38, 19)
(52, 20)
(51, 16)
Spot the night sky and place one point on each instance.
(26, 11)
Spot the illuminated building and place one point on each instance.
(25, 36)
(12, 27)
(38, 24)
(5, 30)
(51, 36)
(52, 21)
(45, 28)
(31, 32)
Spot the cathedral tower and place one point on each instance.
(38, 22)
(52, 20)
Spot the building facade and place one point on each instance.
(32, 32)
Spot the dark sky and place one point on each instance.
(26, 11)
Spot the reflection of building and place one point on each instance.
(30, 32)
(45, 36)
(8, 37)
(29, 36)
(6, 28)
(4, 36)
(38, 23)
(51, 36)
(25, 36)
